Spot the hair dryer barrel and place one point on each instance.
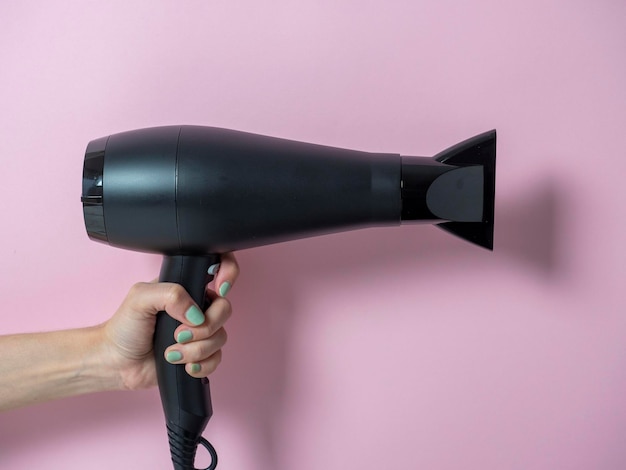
(189, 189)
(192, 189)
(256, 190)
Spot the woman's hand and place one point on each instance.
(116, 355)
(197, 342)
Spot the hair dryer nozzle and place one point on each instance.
(455, 189)
(478, 150)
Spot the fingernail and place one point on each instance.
(184, 336)
(173, 356)
(195, 316)
(194, 368)
(213, 269)
(224, 288)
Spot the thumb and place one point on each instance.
(172, 298)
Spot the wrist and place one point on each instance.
(46, 366)
(97, 370)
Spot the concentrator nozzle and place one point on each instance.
(454, 189)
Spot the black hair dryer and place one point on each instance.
(191, 193)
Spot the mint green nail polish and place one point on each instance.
(224, 288)
(194, 368)
(173, 356)
(184, 336)
(195, 316)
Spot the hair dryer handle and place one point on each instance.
(186, 400)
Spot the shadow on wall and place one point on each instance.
(251, 383)
(529, 229)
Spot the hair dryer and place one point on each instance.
(192, 192)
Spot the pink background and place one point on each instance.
(384, 348)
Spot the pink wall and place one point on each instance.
(397, 348)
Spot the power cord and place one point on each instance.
(208, 446)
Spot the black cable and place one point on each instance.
(208, 446)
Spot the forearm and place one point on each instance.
(40, 367)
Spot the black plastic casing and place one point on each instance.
(190, 189)
(193, 189)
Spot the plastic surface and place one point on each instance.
(478, 150)
(243, 190)
(192, 189)
(186, 400)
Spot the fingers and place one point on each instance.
(199, 347)
(205, 367)
(201, 335)
(150, 298)
(217, 315)
(226, 274)
(200, 357)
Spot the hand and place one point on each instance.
(197, 342)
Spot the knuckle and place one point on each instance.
(207, 348)
(216, 334)
(136, 289)
(214, 361)
(228, 308)
(174, 294)
(202, 350)
(222, 304)
(222, 310)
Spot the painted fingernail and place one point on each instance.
(195, 316)
(224, 288)
(213, 269)
(194, 368)
(184, 336)
(173, 356)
